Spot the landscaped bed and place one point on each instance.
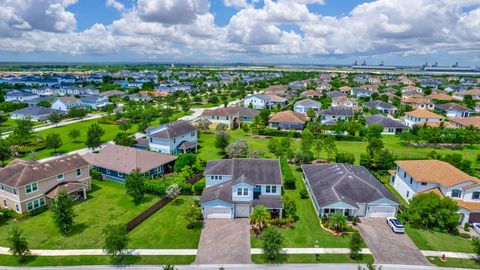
(431, 240)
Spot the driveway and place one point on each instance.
(224, 241)
(388, 247)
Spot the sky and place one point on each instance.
(398, 32)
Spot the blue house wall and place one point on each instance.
(119, 177)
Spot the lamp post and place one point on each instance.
(317, 255)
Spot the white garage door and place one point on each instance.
(217, 212)
(381, 211)
(242, 210)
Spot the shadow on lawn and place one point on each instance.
(77, 228)
(178, 202)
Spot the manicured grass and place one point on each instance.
(167, 228)
(431, 240)
(455, 263)
(6, 260)
(310, 258)
(307, 231)
(106, 203)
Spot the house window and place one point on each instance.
(424, 183)
(239, 191)
(121, 174)
(151, 140)
(35, 204)
(79, 172)
(192, 134)
(411, 180)
(456, 193)
(1, 187)
(245, 191)
(476, 195)
(274, 189)
(242, 191)
(404, 175)
(14, 191)
(174, 140)
(267, 189)
(31, 188)
(17, 208)
(5, 203)
(60, 177)
(220, 177)
(108, 171)
(408, 193)
(212, 177)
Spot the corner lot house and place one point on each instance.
(117, 162)
(420, 117)
(25, 186)
(417, 176)
(235, 186)
(230, 116)
(349, 189)
(390, 126)
(173, 138)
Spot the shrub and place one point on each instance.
(356, 246)
(304, 194)
(199, 187)
(465, 235)
(95, 175)
(185, 188)
(466, 227)
(184, 161)
(345, 158)
(155, 187)
(288, 178)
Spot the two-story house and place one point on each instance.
(418, 176)
(360, 92)
(421, 117)
(230, 116)
(66, 103)
(259, 101)
(173, 138)
(94, 102)
(454, 110)
(302, 106)
(346, 102)
(26, 185)
(235, 186)
(475, 93)
(390, 125)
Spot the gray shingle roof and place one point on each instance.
(270, 201)
(337, 111)
(378, 103)
(36, 111)
(384, 121)
(334, 94)
(331, 183)
(257, 170)
(217, 192)
(452, 106)
(308, 103)
(173, 130)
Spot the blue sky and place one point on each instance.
(404, 32)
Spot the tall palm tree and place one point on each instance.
(260, 217)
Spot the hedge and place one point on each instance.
(293, 134)
(155, 187)
(288, 178)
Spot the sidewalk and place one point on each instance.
(458, 255)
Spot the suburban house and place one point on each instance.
(349, 189)
(390, 125)
(277, 90)
(230, 116)
(117, 162)
(287, 120)
(420, 117)
(235, 186)
(419, 103)
(66, 103)
(311, 94)
(419, 176)
(302, 106)
(35, 113)
(259, 101)
(453, 110)
(173, 138)
(464, 122)
(19, 96)
(440, 96)
(332, 115)
(111, 93)
(346, 102)
(475, 93)
(94, 102)
(27, 185)
(335, 94)
(381, 106)
(360, 92)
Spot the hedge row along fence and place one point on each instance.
(288, 178)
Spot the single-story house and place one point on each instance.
(381, 106)
(36, 113)
(94, 102)
(390, 126)
(231, 116)
(332, 115)
(287, 120)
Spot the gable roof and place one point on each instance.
(310, 93)
(36, 110)
(452, 106)
(333, 94)
(337, 111)
(331, 183)
(308, 103)
(288, 116)
(125, 159)
(385, 122)
(68, 100)
(378, 103)
(171, 130)
(228, 111)
(467, 121)
(424, 114)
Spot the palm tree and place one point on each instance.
(259, 217)
(338, 221)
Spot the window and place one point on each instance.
(108, 171)
(476, 195)
(404, 175)
(31, 188)
(14, 191)
(242, 191)
(1, 187)
(121, 174)
(267, 189)
(79, 172)
(456, 193)
(17, 208)
(424, 183)
(220, 177)
(151, 140)
(192, 134)
(60, 177)
(239, 191)
(211, 177)
(411, 180)
(408, 193)
(35, 204)
(5, 203)
(174, 140)
(274, 189)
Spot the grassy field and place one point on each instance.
(107, 202)
(167, 228)
(310, 258)
(94, 260)
(455, 263)
(430, 240)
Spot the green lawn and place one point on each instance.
(94, 260)
(106, 203)
(310, 258)
(166, 228)
(430, 240)
(455, 263)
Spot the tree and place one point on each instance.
(55, 118)
(374, 131)
(124, 125)
(311, 113)
(374, 145)
(5, 150)
(326, 144)
(3, 117)
(355, 246)
(272, 242)
(221, 127)
(193, 216)
(53, 141)
(115, 241)
(173, 191)
(345, 158)
(184, 160)
(18, 244)
(74, 134)
(22, 132)
(384, 160)
(289, 207)
(203, 124)
(458, 161)
(94, 136)
(307, 140)
(77, 113)
(476, 246)
(237, 149)
(338, 222)
(135, 186)
(259, 217)
(63, 212)
(222, 140)
(124, 139)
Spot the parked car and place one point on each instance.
(476, 227)
(395, 225)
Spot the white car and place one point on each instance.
(395, 225)
(476, 227)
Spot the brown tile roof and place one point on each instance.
(19, 173)
(435, 171)
(437, 124)
(424, 114)
(345, 88)
(274, 98)
(310, 93)
(288, 116)
(435, 190)
(472, 206)
(125, 159)
(467, 121)
(440, 96)
(473, 92)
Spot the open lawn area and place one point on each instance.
(307, 230)
(455, 263)
(107, 202)
(94, 260)
(310, 258)
(167, 228)
(430, 240)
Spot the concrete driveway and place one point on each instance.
(388, 247)
(224, 241)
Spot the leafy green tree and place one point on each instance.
(115, 241)
(22, 132)
(221, 127)
(272, 243)
(124, 139)
(53, 141)
(203, 124)
(222, 140)
(3, 118)
(476, 246)
(184, 160)
(74, 134)
(237, 149)
(77, 113)
(18, 244)
(384, 160)
(260, 217)
(5, 150)
(94, 136)
(55, 118)
(193, 216)
(135, 186)
(458, 161)
(63, 212)
(356, 246)
(289, 207)
(374, 146)
(374, 131)
(124, 125)
(307, 140)
(345, 158)
(338, 222)
(311, 113)
(326, 144)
